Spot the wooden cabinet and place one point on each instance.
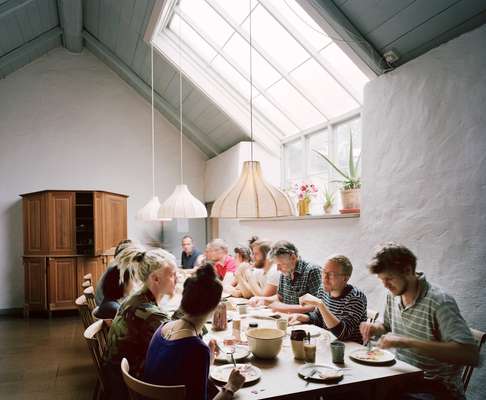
(63, 282)
(67, 235)
(35, 283)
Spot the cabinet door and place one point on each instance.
(114, 219)
(35, 283)
(61, 223)
(35, 226)
(89, 265)
(62, 283)
(98, 223)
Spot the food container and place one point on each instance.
(265, 342)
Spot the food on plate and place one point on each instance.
(372, 355)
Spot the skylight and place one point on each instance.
(301, 77)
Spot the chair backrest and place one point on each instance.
(90, 298)
(97, 346)
(86, 316)
(140, 390)
(372, 315)
(480, 338)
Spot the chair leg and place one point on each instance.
(97, 391)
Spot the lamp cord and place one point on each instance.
(251, 92)
(180, 101)
(153, 128)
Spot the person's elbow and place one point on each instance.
(471, 354)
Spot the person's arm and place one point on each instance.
(235, 382)
(295, 319)
(278, 306)
(269, 290)
(369, 329)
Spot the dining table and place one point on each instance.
(280, 378)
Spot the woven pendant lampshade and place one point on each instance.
(149, 212)
(182, 204)
(252, 197)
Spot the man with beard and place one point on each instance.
(423, 324)
(340, 307)
(297, 278)
(261, 280)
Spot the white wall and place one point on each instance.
(68, 122)
(424, 180)
(223, 170)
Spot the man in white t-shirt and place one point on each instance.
(265, 274)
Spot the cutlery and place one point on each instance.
(310, 375)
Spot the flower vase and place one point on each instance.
(304, 206)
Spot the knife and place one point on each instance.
(310, 375)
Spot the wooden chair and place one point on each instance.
(372, 315)
(90, 298)
(97, 346)
(86, 316)
(139, 390)
(480, 338)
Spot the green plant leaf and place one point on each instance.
(332, 164)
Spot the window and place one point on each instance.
(302, 164)
(301, 76)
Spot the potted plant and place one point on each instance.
(328, 201)
(350, 191)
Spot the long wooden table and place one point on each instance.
(281, 381)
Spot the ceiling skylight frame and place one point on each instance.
(228, 98)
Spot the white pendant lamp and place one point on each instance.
(251, 196)
(149, 212)
(181, 203)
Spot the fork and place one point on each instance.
(228, 350)
(309, 375)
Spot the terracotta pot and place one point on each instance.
(304, 207)
(350, 198)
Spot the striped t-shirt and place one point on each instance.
(433, 316)
(349, 308)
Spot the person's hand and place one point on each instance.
(392, 340)
(295, 319)
(213, 350)
(256, 301)
(367, 331)
(235, 380)
(275, 306)
(309, 300)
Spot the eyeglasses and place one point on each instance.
(332, 274)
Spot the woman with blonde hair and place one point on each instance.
(139, 315)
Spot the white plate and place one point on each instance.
(329, 373)
(376, 356)
(241, 352)
(221, 373)
(314, 330)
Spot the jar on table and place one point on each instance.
(220, 319)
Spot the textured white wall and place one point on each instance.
(424, 180)
(68, 122)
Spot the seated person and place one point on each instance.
(297, 278)
(263, 282)
(244, 271)
(115, 289)
(189, 254)
(251, 241)
(424, 326)
(99, 295)
(139, 315)
(340, 307)
(177, 355)
(224, 264)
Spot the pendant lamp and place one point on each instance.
(181, 203)
(251, 196)
(149, 212)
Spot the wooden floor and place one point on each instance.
(43, 358)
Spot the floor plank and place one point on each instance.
(44, 358)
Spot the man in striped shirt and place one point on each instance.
(423, 324)
(340, 307)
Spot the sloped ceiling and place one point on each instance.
(114, 29)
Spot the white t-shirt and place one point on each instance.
(271, 277)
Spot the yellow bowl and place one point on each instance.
(265, 342)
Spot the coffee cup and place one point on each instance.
(310, 352)
(282, 324)
(242, 309)
(337, 352)
(297, 337)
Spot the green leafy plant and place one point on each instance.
(352, 179)
(328, 198)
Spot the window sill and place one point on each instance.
(304, 218)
